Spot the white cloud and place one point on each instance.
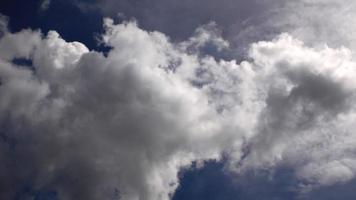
(316, 22)
(18, 45)
(84, 123)
(307, 120)
(97, 123)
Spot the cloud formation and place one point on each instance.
(307, 119)
(242, 22)
(85, 124)
(90, 125)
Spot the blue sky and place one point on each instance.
(181, 100)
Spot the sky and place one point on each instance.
(177, 100)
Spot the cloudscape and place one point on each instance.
(177, 100)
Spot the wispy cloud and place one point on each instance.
(45, 5)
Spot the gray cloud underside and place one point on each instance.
(88, 125)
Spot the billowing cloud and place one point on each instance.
(307, 120)
(90, 125)
(243, 22)
(240, 21)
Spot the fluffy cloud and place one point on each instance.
(88, 125)
(241, 21)
(307, 120)
(122, 125)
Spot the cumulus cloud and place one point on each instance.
(308, 113)
(241, 21)
(121, 125)
(85, 124)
